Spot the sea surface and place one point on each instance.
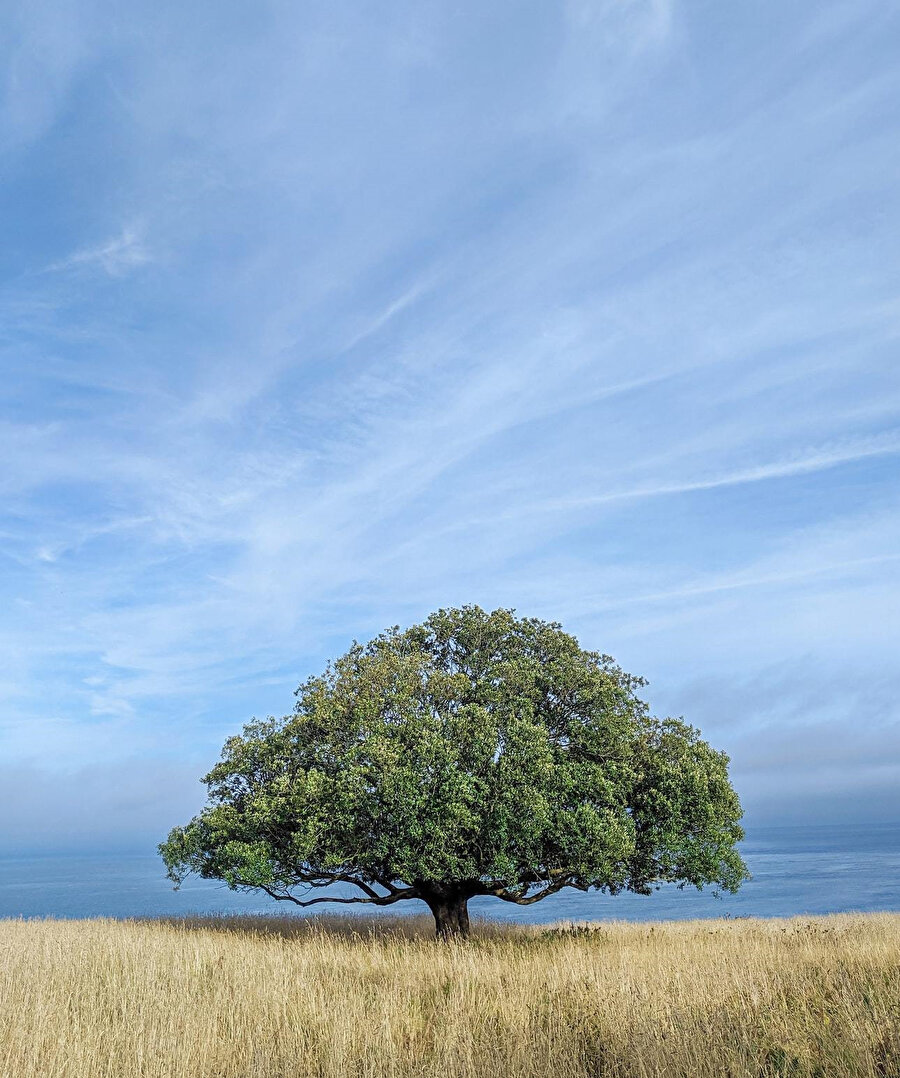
(796, 870)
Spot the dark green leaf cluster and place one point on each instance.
(476, 753)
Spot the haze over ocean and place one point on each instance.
(796, 870)
(315, 318)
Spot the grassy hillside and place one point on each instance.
(241, 998)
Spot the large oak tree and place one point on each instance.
(474, 754)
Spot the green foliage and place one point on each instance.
(475, 753)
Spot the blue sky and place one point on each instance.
(315, 317)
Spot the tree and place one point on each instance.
(474, 754)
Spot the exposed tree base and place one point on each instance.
(451, 914)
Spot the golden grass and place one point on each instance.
(250, 997)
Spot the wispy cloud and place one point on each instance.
(621, 26)
(803, 464)
(394, 308)
(116, 256)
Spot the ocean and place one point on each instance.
(796, 870)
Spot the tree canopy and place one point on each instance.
(475, 754)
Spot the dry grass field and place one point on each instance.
(247, 998)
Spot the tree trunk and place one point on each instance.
(451, 914)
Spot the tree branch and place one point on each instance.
(379, 900)
(520, 899)
(322, 879)
(526, 880)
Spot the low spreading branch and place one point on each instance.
(378, 900)
(521, 897)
